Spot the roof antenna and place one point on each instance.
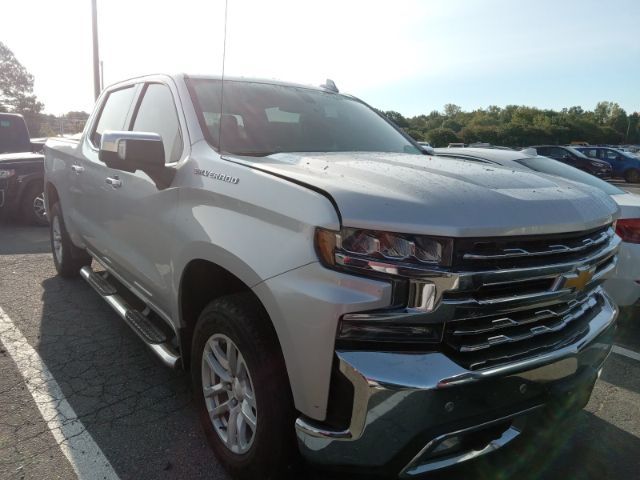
(330, 85)
(224, 56)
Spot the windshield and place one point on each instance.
(553, 167)
(261, 119)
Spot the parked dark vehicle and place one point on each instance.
(21, 171)
(624, 164)
(572, 156)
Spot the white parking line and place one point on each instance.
(626, 352)
(74, 440)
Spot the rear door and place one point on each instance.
(141, 215)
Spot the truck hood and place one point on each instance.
(442, 196)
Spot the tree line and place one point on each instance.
(520, 126)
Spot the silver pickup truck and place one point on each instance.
(325, 282)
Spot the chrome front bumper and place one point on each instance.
(407, 405)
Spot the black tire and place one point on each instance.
(273, 450)
(67, 258)
(32, 205)
(632, 176)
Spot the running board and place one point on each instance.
(149, 333)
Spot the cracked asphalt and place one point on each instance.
(141, 416)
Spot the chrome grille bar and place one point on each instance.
(553, 249)
(533, 331)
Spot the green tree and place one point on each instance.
(441, 137)
(16, 90)
(451, 110)
(397, 118)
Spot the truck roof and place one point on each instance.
(184, 76)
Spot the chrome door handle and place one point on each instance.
(115, 182)
(77, 169)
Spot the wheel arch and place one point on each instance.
(202, 281)
(51, 195)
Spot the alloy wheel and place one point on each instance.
(229, 393)
(39, 208)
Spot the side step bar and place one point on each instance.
(149, 333)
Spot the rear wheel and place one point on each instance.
(32, 207)
(241, 389)
(632, 176)
(67, 258)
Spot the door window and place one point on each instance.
(590, 152)
(611, 155)
(157, 114)
(114, 113)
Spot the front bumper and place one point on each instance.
(407, 406)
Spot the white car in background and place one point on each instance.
(624, 283)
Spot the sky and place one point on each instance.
(412, 56)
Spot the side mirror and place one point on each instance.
(428, 150)
(131, 151)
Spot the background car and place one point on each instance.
(622, 286)
(21, 171)
(573, 157)
(624, 164)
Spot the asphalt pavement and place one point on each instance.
(140, 414)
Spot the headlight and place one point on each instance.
(400, 256)
(597, 164)
(383, 252)
(7, 173)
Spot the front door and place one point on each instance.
(141, 216)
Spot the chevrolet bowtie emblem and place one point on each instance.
(577, 280)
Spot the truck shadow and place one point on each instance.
(19, 239)
(140, 413)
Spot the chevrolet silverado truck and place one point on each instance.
(334, 292)
(21, 171)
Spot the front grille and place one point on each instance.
(490, 340)
(512, 252)
(526, 297)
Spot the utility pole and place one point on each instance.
(96, 56)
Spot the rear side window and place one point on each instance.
(13, 135)
(114, 113)
(556, 152)
(157, 114)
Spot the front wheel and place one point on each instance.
(632, 176)
(241, 389)
(67, 258)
